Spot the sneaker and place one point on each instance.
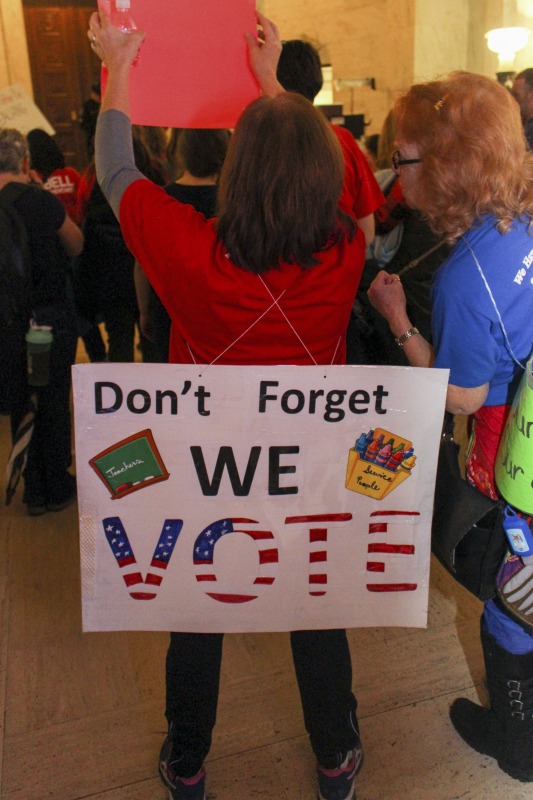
(36, 509)
(339, 783)
(68, 501)
(65, 502)
(34, 502)
(179, 788)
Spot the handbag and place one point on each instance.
(466, 533)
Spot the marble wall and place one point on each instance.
(399, 42)
(441, 38)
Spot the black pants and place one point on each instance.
(324, 673)
(119, 320)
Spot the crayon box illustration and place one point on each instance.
(379, 462)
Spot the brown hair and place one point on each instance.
(527, 76)
(474, 155)
(202, 151)
(154, 138)
(280, 185)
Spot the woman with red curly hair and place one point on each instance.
(462, 160)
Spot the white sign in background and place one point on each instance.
(236, 498)
(17, 110)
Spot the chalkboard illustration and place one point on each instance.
(378, 463)
(131, 464)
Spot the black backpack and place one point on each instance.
(15, 298)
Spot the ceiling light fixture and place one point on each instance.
(506, 42)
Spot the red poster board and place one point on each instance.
(193, 67)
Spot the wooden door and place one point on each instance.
(63, 68)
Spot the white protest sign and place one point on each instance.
(255, 498)
(17, 110)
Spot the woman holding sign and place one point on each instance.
(462, 161)
(271, 282)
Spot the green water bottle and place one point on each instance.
(38, 344)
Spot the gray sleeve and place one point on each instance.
(115, 162)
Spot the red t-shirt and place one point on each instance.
(361, 195)
(85, 188)
(224, 314)
(64, 184)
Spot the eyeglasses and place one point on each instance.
(398, 161)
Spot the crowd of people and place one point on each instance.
(397, 256)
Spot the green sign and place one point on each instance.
(514, 461)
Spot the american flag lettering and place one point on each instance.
(204, 549)
(318, 554)
(122, 550)
(145, 588)
(379, 524)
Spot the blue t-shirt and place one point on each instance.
(468, 337)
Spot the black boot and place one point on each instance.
(505, 731)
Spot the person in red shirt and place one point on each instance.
(87, 180)
(270, 281)
(299, 70)
(49, 163)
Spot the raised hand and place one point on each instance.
(117, 48)
(264, 52)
